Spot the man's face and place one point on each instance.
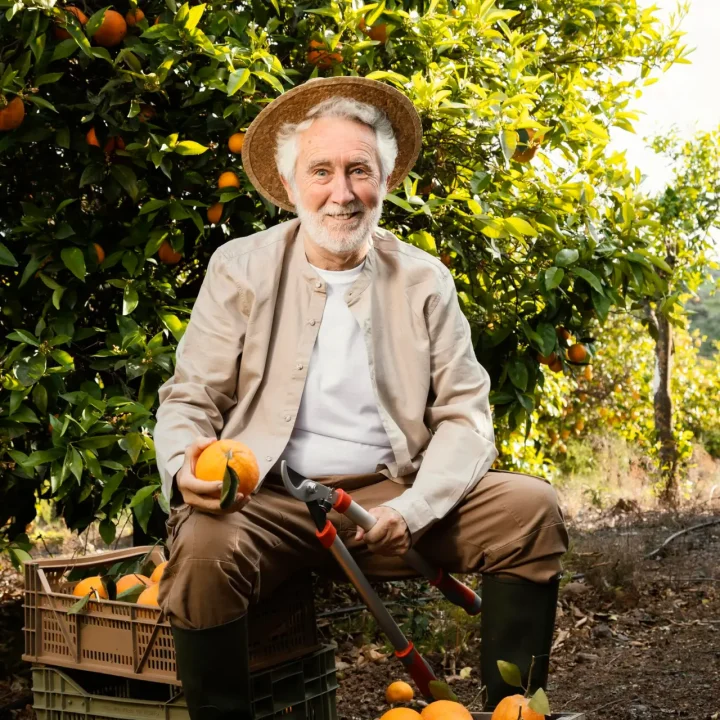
(337, 191)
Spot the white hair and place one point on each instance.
(340, 107)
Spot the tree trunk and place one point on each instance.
(663, 410)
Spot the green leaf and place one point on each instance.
(95, 21)
(589, 278)
(547, 333)
(127, 179)
(107, 533)
(42, 457)
(98, 441)
(566, 257)
(92, 175)
(270, 80)
(41, 102)
(48, 78)
(539, 702)
(29, 370)
(189, 147)
(230, 485)
(76, 464)
(18, 556)
(130, 299)
(64, 49)
(508, 143)
(152, 205)
(441, 691)
(518, 373)
(133, 445)
(553, 277)
(520, 226)
(24, 336)
(81, 604)
(236, 80)
(110, 487)
(510, 673)
(74, 261)
(6, 257)
(196, 12)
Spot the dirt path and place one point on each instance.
(636, 639)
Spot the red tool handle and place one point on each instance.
(457, 593)
(417, 669)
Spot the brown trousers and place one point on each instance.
(219, 564)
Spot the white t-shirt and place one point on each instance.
(338, 430)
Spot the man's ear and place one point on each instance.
(288, 189)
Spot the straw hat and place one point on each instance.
(258, 152)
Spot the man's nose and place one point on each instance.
(342, 192)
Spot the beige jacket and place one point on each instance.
(241, 365)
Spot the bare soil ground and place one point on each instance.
(636, 639)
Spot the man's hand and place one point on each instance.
(202, 494)
(389, 536)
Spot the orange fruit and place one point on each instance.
(376, 32)
(556, 365)
(564, 433)
(562, 333)
(157, 573)
(91, 584)
(236, 142)
(401, 713)
(91, 137)
(128, 581)
(217, 456)
(228, 179)
(60, 32)
(446, 259)
(445, 710)
(149, 596)
(147, 112)
(515, 707)
(319, 54)
(399, 691)
(579, 425)
(133, 17)
(578, 353)
(588, 373)
(214, 213)
(168, 255)
(527, 145)
(12, 115)
(99, 252)
(546, 359)
(112, 31)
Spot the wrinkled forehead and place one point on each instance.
(337, 141)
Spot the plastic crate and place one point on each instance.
(136, 641)
(302, 689)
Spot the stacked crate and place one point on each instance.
(117, 660)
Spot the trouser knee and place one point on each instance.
(204, 585)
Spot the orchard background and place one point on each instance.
(574, 280)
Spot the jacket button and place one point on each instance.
(299, 366)
(318, 285)
(312, 322)
(288, 418)
(269, 458)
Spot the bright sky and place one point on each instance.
(686, 96)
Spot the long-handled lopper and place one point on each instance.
(320, 499)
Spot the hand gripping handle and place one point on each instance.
(457, 593)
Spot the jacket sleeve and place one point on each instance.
(203, 388)
(462, 447)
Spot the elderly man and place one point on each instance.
(328, 342)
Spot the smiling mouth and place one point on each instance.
(345, 216)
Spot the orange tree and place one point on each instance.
(115, 125)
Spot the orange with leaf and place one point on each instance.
(231, 462)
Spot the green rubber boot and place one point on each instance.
(214, 668)
(517, 624)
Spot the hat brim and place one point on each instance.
(258, 152)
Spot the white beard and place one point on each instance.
(340, 238)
